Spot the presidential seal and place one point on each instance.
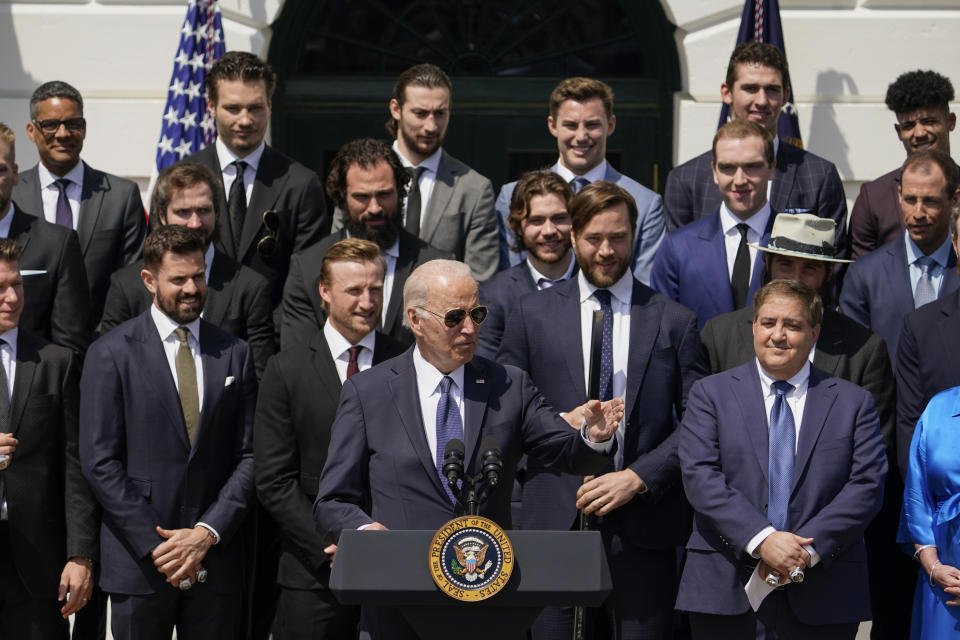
(471, 558)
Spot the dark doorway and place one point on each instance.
(337, 60)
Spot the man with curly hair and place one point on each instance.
(921, 101)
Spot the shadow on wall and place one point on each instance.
(16, 85)
(826, 138)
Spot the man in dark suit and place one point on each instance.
(407, 408)
(166, 426)
(369, 183)
(57, 300)
(844, 349)
(654, 358)
(921, 102)
(581, 119)
(239, 90)
(48, 518)
(449, 205)
(105, 210)
(295, 409)
(238, 298)
(781, 502)
(917, 267)
(756, 90)
(711, 265)
(539, 221)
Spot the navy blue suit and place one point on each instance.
(543, 337)
(877, 291)
(141, 467)
(691, 268)
(500, 293)
(837, 489)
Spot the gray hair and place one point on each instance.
(416, 290)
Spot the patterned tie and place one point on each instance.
(187, 383)
(353, 365)
(64, 212)
(740, 282)
(606, 363)
(925, 291)
(449, 427)
(578, 183)
(783, 437)
(238, 204)
(413, 200)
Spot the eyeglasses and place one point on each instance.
(453, 317)
(268, 243)
(73, 125)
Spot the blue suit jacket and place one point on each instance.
(691, 268)
(139, 463)
(877, 292)
(649, 223)
(804, 182)
(837, 489)
(664, 362)
(928, 362)
(379, 466)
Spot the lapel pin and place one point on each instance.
(480, 381)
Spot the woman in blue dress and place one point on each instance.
(930, 521)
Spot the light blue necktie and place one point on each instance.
(783, 438)
(925, 291)
(449, 427)
(578, 183)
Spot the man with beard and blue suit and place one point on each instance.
(581, 119)
(918, 267)
(166, 429)
(394, 420)
(709, 266)
(780, 504)
(540, 225)
(649, 355)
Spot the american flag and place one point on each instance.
(760, 22)
(187, 126)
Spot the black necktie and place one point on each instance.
(740, 282)
(238, 204)
(413, 200)
(64, 212)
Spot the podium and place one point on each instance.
(391, 568)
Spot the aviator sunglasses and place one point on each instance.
(453, 317)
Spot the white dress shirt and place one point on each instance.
(940, 258)
(5, 222)
(537, 276)
(340, 350)
(390, 257)
(427, 181)
(166, 327)
(8, 359)
(757, 224)
(229, 170)
(50, 193)
(599, 172)
(428, 391)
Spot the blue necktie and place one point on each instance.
(606, 349)
(783, 437)
(925, 291)
(578, 183)
(449, 427)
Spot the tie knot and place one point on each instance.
(782, 387)
(743, 227)
(603, 297)
(62, 184)
(355, 351)
(545, 283)
(925, 263)
(445, 384)
(578, 183)
(416, 172)
(182, 334)
(241, 166)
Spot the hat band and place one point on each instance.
(786, 244)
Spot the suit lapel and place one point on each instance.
(20, 229)
(442, 192)
(326, 368)
(566, 320)
(950, 281)
(712, 269)
(403, 390)
(215, 366)
(644, 329)
(219, 290)
(745, 383)
(830, 344)
(821, 395)
(267, 187)
(224, 240)
(783, 179)
(405, 263)
(91, 200)
(475, 394)
(28, 196)
(897, 275)
(27, 359)
(947, 330)
(148, 349)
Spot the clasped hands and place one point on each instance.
(780, 553)
(181, 553)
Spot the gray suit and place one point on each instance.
(459, 217)
(111, 225)
(649, 223)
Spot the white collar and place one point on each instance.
(622, 289)
(338, 344)
(537, 276)
(10, 336)
(75, 175)
(228, 157)
(757, 222)
(429, 376)
(431, 162)
(797, 380)
(165, 325)
(599, 172)
(5, 222)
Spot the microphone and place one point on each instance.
(453, 454)
(492, 460)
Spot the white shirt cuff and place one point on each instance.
(216, 535)
(601, 447)
(755, 541)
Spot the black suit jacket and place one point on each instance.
(291, 432)
(846, 349)
(804, 182)
(111, 224)
(52, 513)
(287, 187)
(303, 313)
(56, 300)
(238, 301)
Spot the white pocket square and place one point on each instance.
(33, 272)
(229, 381)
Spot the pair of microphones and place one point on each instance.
(464, 488)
